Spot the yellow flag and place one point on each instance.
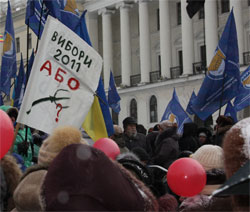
(94, 123)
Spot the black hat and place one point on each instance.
(127, 121)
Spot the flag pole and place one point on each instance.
(39, 27)
(204, 31)
(27, 67)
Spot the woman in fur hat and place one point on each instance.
(27, 195)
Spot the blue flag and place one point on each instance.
(34, 11)
(8, 67)
(243, 99)
(113, 96)
(31, 61)
(64, 10)
(230, 111)
(175, 113)
(223, 74)
(190, 103)
(81, 30)
(20, 80)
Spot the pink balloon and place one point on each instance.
(108, 146)
(186, 177)
(6, 133)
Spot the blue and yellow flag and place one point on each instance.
(175, 113)
(222, 81)
(19, 85)
(113, 96)
(190, 103)
(8, 67)
(98, 123)
(230, 111)
(243, 98)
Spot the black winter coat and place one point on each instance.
(138, 141)
(166, 148)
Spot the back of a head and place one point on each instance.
(190, 129)
(12, 112)
(164, 125)
(86, 178)
(210, 157)
(236, 146)
(117, 130)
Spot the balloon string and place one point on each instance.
(159, 167)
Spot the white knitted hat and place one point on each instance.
(209, 156)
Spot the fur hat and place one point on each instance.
(86, 178)
(209, 156)
(127, 121)
(236, 146)
(60, 137)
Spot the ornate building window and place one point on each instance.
(224, 6)
(133, 109)
(153, 109)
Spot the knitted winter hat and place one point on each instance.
(60, 137)
(209, 156)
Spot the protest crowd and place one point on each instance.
(65, 172)
(60, 149)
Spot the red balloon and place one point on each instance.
(186, 177)
(108, 146)
(6, 133)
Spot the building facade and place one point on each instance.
(152, 46)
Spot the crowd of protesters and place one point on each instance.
(63, 172)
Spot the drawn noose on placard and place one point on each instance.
(52, 99)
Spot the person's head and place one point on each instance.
(223, 121)
(117, 136)
(210, 157)
(164, 125)
(202, 137)
(129, 126)
(12, 113)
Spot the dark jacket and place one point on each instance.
(150, 142)
(189, 140)
(166, 148)
(138, 141)
(3, 191)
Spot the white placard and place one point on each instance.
(63, 80)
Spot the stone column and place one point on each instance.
(187, 40)
(211, 29)
(126, 55)
(236, 4)
(145, 50)
(165, 38)
(92, 24)
(107, 44)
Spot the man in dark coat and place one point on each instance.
(166, 145)
(131, 137)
